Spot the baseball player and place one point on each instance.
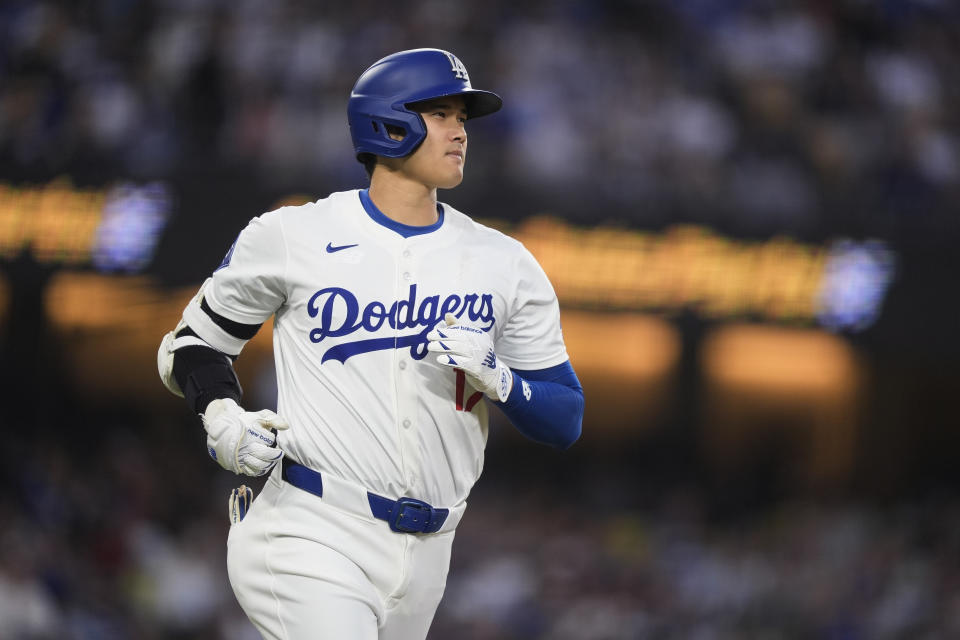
(395, 315)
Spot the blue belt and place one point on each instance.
(404, 515)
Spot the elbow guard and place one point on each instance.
(193, 370)
(165, 361)
(200, 369)
(179, 338)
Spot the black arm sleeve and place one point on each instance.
(204, 374)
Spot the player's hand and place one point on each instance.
(470, 349)
(242, 441)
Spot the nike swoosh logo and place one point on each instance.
(333, 249)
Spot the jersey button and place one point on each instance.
(403, 364)
(406, 423)
(406, 275)
(406, 253)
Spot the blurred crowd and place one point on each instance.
(121, 534)
(801, 570)
(757, 116)
(114, 534)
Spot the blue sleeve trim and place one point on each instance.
(546, 405)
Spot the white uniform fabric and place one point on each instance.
(367, 407)
(363, 401)
(302, 568)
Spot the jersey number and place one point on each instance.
(465, 400)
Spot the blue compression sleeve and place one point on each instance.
(546, 405)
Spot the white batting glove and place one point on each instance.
(470, 349)
(242, 441)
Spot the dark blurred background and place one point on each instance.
(749, 210)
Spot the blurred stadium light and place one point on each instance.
(133, 220)
(855, 281)
(798, 387)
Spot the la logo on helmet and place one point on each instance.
(457, 67)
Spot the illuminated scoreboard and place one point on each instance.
(839, 285)
(112, 229)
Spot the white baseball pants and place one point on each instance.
(303, 568)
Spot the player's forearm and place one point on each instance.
(547, 405)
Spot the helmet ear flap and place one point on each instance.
(393, 131)
(375, 129)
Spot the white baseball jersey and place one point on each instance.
(354, 300)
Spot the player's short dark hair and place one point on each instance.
(369, 162)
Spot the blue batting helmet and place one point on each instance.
(384, 91)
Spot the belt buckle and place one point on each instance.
(403, 506)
